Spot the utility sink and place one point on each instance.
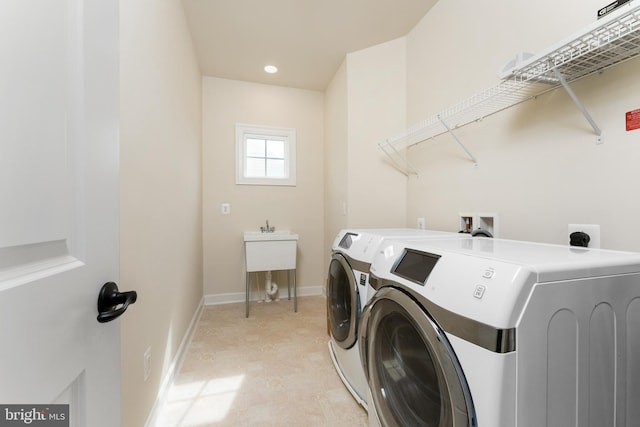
(270, 251)
(259, 236)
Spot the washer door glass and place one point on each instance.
(414, 376)
(343, 302)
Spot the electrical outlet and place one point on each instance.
(421, 224)
(593, 230)
(147, 363)
(225, 208)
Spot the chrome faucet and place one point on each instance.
(267, 229)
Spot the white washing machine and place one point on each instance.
(347, 282)
(497, 333)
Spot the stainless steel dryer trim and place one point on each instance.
(355, 264)
(451, 381)
(489, 337)
(333, 306)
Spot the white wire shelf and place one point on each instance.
(607, 42)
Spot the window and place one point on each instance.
(265, 155)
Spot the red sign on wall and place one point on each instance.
(633, 119)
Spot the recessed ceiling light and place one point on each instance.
(271, 69)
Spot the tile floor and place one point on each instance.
(272, 369)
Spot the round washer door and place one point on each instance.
(414, 376)
(343, 302)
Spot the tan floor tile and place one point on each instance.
(272, 369)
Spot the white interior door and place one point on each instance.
(59, 205)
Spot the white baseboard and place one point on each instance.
(174, 368)
(215, 299)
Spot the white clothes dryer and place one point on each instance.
(496, 333)
(347, 283)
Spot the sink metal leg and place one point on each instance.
(295, 292)
(246, 303)
(289, 284)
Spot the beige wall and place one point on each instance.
(335, 157)
(365, 102)
(539, 167)
(160, 157)
(299, 208)
(376, 97)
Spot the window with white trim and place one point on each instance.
(265, 155)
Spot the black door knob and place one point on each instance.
(110, 298)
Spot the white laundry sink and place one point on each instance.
(270, 251)
(259, 236)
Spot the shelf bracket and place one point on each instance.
(407, 169)
(584, 111)
(475, 161)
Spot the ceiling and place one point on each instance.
(306, 39)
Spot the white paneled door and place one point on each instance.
(59, 206)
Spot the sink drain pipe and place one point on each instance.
(270, 288)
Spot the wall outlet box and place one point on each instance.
(489, 222)
(593, 230)
(470, 221)
(466, 220)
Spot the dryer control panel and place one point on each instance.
(415, 265)
(487, 290)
